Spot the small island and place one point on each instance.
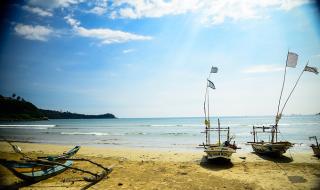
(15, 108)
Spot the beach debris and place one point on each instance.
(183, 173)
(297, 179)
(120, 184)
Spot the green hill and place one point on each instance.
(17, 109)
(13, 109)
(68, 115)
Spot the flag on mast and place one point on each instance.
(311, 69)
(211, 85)
(292, 59)
(214, 69)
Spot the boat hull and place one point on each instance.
(316, 150)
(272, 149)
(31, 171)
(214, 153)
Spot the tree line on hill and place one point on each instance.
(15, 108)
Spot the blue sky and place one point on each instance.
(151, 58)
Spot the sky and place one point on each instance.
(151, 58)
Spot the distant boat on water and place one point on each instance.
(274, 147)
(221, 149)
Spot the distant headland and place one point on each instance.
(15, 108)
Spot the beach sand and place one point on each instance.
(161, 169)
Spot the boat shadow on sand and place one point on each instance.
(17, 185)
(21, 184)
(215, 165)
(276, 159)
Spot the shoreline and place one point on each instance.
(138, 168)
(244, 148)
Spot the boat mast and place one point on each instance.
(206, 100)
(208, 116)
(228, 135)
(219, 131)
(205, 113)
(279, 116)
(293, 89)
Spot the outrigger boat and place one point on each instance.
(220, 150)
(272, 148)
(34, 171)
(275, 147)
(315, 147)
(41, 168)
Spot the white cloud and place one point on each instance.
(108, 36)
(288, 5)
(105, 35)
(37, 10)
(71, 21)
(128, 51)
(216, 12)
(263, 69)
(97, 10)
(30, 32)
(100, 7)
(211, 12)
(52, 4)
(153, 8)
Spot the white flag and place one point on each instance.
(211, 85)
(214, 69)
(292, 59)
(311, 69)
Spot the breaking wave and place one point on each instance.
(26, 126)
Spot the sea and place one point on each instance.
(181, 133)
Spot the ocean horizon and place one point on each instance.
(175, 133)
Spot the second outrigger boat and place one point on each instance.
(219, 150)
(274, 147)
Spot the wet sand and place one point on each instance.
(160, 169)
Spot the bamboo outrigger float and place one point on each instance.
(219, 150)
(275, 147)
(315, 147)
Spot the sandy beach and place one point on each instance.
(160, 169)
